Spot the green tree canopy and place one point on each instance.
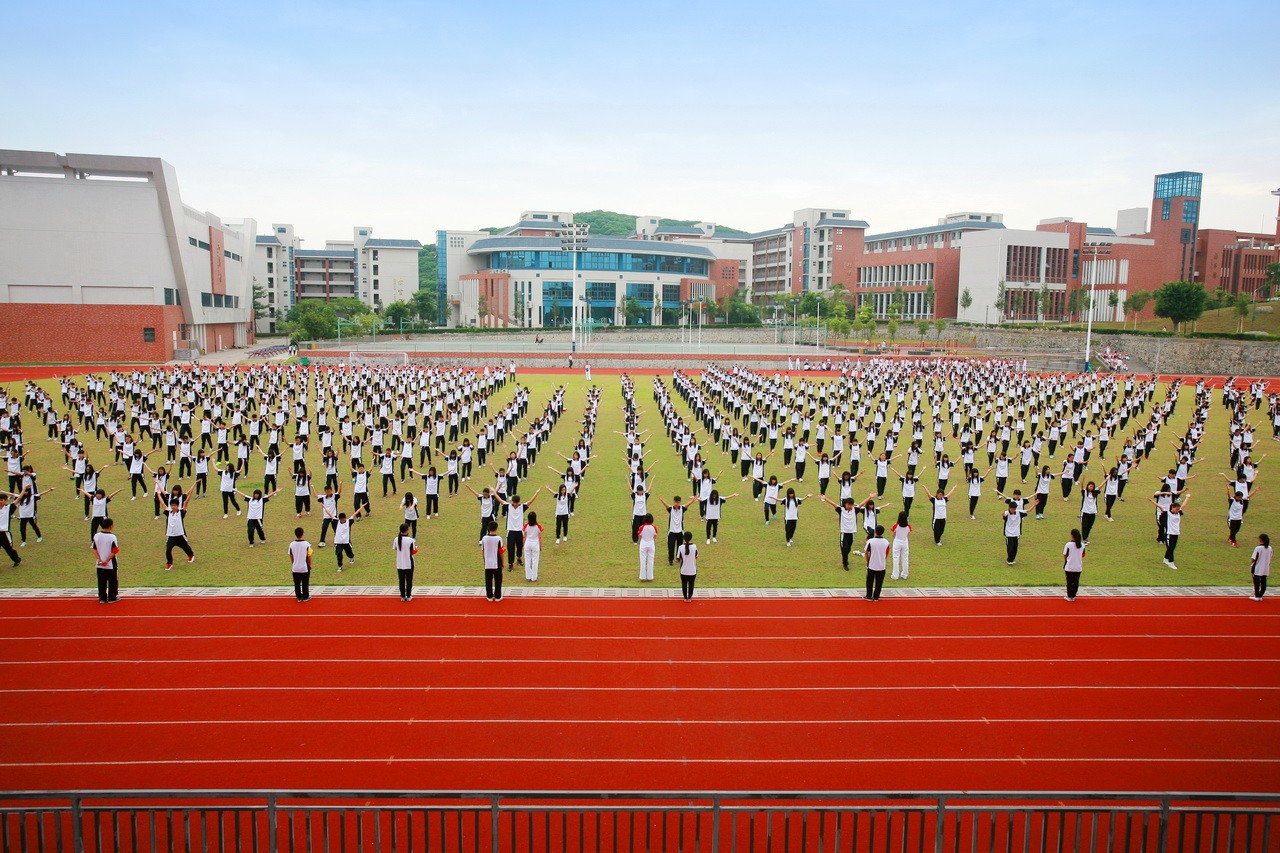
(397, 311)
(423, 303)
(633, 310)
(1181, 301)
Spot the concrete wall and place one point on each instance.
(1163, 355)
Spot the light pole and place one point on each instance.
(342, 323)
(573, 239)
(817, 329)
(1092, 250)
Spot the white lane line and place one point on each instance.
(1077, 616)
(640, 722)
(636, 637)
(391, 759)
(669, 688)
(622, 661)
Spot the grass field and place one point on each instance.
(1217, 320)
(600, 552)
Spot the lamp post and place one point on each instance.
(817, 329)
(586, 321)
(1094, 251)
(573, 239)
(342, 323)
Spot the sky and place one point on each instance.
(410, 117)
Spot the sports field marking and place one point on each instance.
(636, 722)
(435, 688)
(623, 661)
(637, 637)
(1075, 615)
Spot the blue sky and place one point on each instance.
(410, 117)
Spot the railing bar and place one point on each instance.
(1044, 832)
(253, 826)
(1266, 832)
(648, 832)
(631, 833)
(377, 830)
(1248, 833)
(614, 848)
(475, 828)
(835, 837)
(1062, 830)
(40, 816)
(97, 832)
(395, 846)
(1231, 832)
(204, 832)
(57, 833)
(1213, 832)
(564, 832)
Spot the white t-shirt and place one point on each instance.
(533, 537)
(104, 543)
(688, 557)
(299, 550)
(1074, 556)
(1261, 560)
(647, 534)
(490, 545)
(876, 550)
(403, 546)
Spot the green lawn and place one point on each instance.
(600, 552)
(1217, 320)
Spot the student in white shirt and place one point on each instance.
(688, 556)
(876, 553)
(847, 512)
(254, 506)
(675, 526)
(1260, 566)
(516, 510)
(532, 547)
(1073, 563)
(410, 507)
(713, 508)
(405, 547)
(491, 549)
(1013, 529)
(176, 532)
(300, 563)
(105, 548)
(901, 531)
(647, 536)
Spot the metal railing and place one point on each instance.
(342, 821)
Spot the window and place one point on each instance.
(206, 300)
(271, 267)
(270, 252)
(375, 284)
(271, 299)
(1191, 211)
(375, 269)
(192, 241)
(280, 230)
(271, 282)
(149, 334)
(375, 254)
(203, 245)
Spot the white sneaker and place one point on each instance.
(224, 515)
(714, 539)
(894, 576)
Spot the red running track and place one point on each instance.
(645, 694)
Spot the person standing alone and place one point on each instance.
(105, 548)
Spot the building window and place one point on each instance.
(375, 284)
(206, 300)
(270, 252)
(192, 241)
(271, 267)
(149, 334)
(271, 282)
(271, 299)
(375, 269)
(375, 254)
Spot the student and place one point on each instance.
(1173, 529)
(410, 506)
(176, 532)
(791, 513)
(688, 555)
(491, 550)
(647, 536)
(1073, 563)
(847, 512)
(563, 512)
(639, 509)
(98, 501)
(975, 489)
(713, 507)
(405, 547)
(28, 503)
(1237, 502)
(771, 490)
(229, 477)
(328, 511)
(431, 494)
(532, 531)
(901, 531)
(301, 493)
(939, 502)
(876, 554)
(488, 509)
(254, 505)
(1043, 482)
(300, 564)
(106, 547)
(1013, 530)
(342, 535)
(515, 527)
(1260, 566)
(360, 490)
(675, 526)
(1088, 509)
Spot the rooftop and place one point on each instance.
(594, 244)
(377, 243)
(267, 239)
(936, 229)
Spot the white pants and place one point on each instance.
(901, 558)
(646, 563)
(531, 558)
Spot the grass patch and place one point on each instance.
(599, 551)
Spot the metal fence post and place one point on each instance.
(1162, 841)
(715, 825)
(273, 843)
(77, 830)
(494, 813)
(941, 821)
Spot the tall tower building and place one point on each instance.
(1175, 219)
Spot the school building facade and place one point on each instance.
(101, 261)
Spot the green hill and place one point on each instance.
(609, 223)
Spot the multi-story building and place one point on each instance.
(374, 270)
(100, 261)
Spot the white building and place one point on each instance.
(374, 270)
(100, 261)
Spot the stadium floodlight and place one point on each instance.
(573, 239)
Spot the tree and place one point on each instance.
(395, 312)
(930, 297)
(1271, 284)
(892, 327)
(923, 326)
(424, 304)
(260, 307)
(840, 327)
(1000, 302)
(1044, 301)
(741, 311)
(1241, 304)
(633, 311)
(1181, 302)
(348, 308)
(966, 299)
(1135, 302)
(941, 326)
(311, 319)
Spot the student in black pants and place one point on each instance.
(1013, 530)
